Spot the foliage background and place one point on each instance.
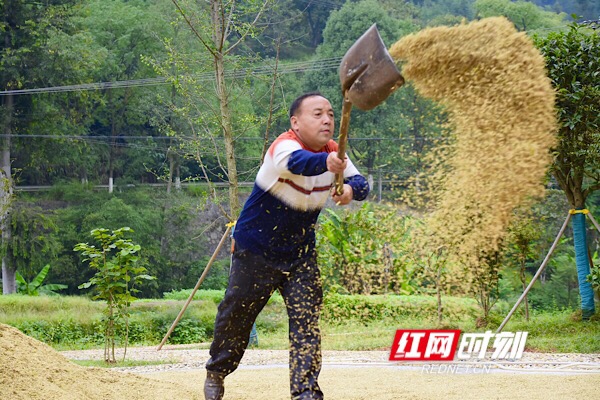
(152, 126)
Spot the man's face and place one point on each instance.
(313, 122)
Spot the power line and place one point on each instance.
(287, 68)
(326, 4)
(184, 138)
(293, 67)
(124, 141)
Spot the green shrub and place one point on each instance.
(213, 295)
(118, 271)
(354, 322)
(66, 333)
(360, 251)
(341, 308)
(194, 327)
(188, 331)
(76, 321)
(217, 277)
(75, 192)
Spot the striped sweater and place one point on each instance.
(278, 219)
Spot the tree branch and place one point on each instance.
(189, 22)
(226, 28)
(211, 187)
(243, 36)
(266, 141)
(216, 147)
(591, 189)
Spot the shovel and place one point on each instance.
(368, 76)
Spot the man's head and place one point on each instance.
(311, 117)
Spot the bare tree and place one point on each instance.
(9, 284)
(230, 25)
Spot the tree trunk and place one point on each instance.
(115, 130)
(171, 159)
(379, 185)
(571, 181)
(524, 284)
(583, 266)
(315, 33)
(178, 175)
(234, 203)
(174, 170)
(113, 144)
(84, 179)
(223, 96)
(172, 156)
(9, 284)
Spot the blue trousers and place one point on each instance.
(252, 281)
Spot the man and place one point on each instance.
(275, 247)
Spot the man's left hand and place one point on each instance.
(345, 197)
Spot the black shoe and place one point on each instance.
(213, 386)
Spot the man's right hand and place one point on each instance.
(335, 164)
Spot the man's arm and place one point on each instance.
(355, 188)
(302, 162)
(359, 185)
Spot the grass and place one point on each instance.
(119, 363)
(348, 322)
(559, 331)
(550, 331)
(213, 295)
(16, 308)
(375, 336)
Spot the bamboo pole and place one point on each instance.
(537, 274)
(591, 217)
(189, 300)
(342, 141)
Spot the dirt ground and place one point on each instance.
(386, 383)
(32, 370)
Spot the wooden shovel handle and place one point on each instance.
(342, 141)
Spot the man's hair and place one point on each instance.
(298, 102)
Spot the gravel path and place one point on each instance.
(192, 357)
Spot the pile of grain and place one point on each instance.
(32, 370)
(493, 83)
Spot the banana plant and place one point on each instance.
(36, 287)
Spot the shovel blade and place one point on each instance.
(368, 73)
